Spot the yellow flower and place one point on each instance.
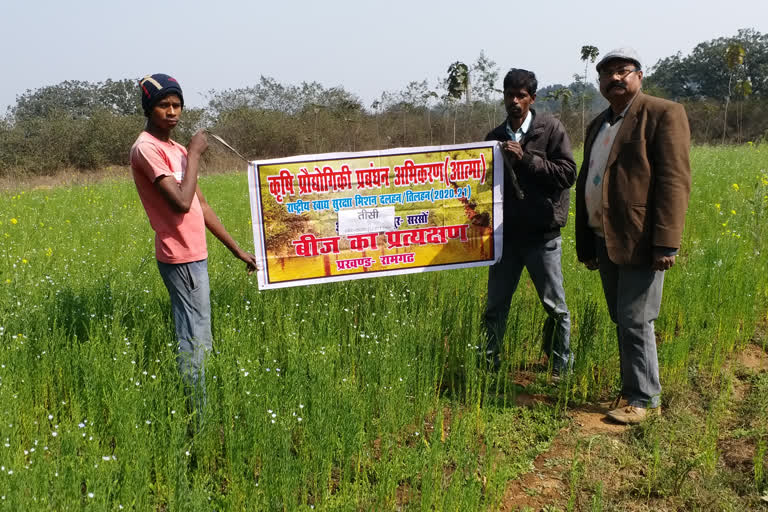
(7, 281)
(733, 212)
(735, 187)
(48, 252)
(14, 221)
(717, 205)
(24, 261)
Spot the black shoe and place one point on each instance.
(561, 374)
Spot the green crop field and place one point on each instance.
(361, 395)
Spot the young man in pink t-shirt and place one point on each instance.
(165, 174)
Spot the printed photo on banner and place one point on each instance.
(338, 216)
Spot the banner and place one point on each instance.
(338, 216)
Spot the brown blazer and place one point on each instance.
(646, 184)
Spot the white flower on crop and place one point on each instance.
(81, 425)
(54, 434)
(90, 495)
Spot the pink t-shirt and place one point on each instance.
(179, 237)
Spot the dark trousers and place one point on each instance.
(542, 259)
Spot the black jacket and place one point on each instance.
(545, 174)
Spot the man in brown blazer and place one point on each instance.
(631, 199)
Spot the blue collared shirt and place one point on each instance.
(517, 135)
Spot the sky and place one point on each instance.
(365, 47)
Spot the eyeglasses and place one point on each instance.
(621, 73)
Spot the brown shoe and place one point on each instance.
(618, 402)
(632, 415)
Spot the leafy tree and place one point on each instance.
(563, 96)
(485, 75)
(458, 81)
(269, 94)
(415, 96)
(79, 100)
(484, 79)
(545, 99)
(120, 97)
(588, 54)
(457, 85)
(734, 60)
(705, 74)
(73, 98)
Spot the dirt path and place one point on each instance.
(548, 485)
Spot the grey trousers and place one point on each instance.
(633, 295)
(542, 259)
(188, 286)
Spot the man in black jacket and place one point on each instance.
(538, 154)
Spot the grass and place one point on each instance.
(361, 395)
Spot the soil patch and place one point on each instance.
(753, 358)
(590, 419)
(547, 483)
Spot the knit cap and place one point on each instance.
(156, 87)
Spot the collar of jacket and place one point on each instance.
(630, 118)
(536, 128)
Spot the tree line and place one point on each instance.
(75, 124)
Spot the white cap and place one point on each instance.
(625, 53)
